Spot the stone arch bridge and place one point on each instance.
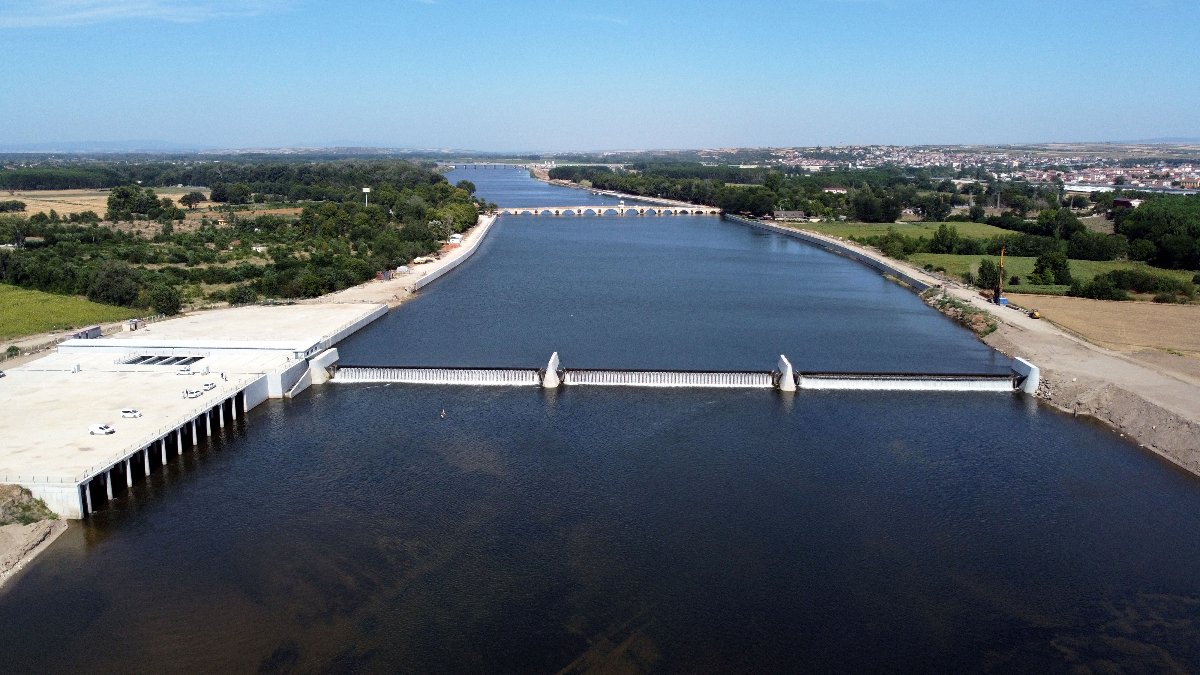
(613, 210)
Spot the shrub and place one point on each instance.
(1014, 281)
(12, 352)
(1164, 297)
(165, 299)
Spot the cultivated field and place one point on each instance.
(24, 312)
(66, 202)
(1125, 326)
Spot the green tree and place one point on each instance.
(1053, 266)
(989, 274)
(191, 199)
(113, 283)
(945, 240)
(165, 299)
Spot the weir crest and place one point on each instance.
(1023, 377)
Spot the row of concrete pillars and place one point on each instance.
(188, 437)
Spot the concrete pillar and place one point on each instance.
(787, 378)
(87, 496)
(195, 435)
(108, 481)
(233, 407)
(221, 413)
(208, 425)
(163, 443)
(146, 457)
(128, 472)
(551, 380)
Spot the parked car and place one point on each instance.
(209, 386)
(101, 430)
(192, 393)
(184, 370)
(131, 412)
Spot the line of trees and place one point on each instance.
(331, 245)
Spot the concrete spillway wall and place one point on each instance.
(669, 378)
(459, 376)
(836, 247)
(881, 382)
(783, 380)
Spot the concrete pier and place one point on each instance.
(238, 357)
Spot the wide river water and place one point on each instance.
(354, 529)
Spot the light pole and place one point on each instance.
(366, 196)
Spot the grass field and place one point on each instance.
(847, 230)
(1083, 270)
(24, 312)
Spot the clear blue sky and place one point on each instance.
(606, 74)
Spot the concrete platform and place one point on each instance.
(247, 354)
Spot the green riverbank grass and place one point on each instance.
(847, 230)
(1083, 270)
(24, 312)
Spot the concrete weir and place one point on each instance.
(1023, 377)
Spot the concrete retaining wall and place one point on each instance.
(836, 247)
(301, 384)
(1032, 375)
(467, 251)
(61, 499)
(282, 380)
(357, 325)
(318, 366)
(256, 393)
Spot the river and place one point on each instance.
(647, 530)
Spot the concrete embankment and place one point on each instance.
(466, 250)
(918, 282)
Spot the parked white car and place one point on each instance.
(131, 412)
(101, 430)
(184, 370)
(209, 386)
(192, 393)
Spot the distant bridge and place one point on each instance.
(614, 210)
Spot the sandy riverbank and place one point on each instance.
(20, 544)
(1154, 403)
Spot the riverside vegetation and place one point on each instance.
(334, 242)
(1152, 250)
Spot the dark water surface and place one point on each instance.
(599, 529)
(676, 292)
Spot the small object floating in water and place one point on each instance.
(443, 415)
